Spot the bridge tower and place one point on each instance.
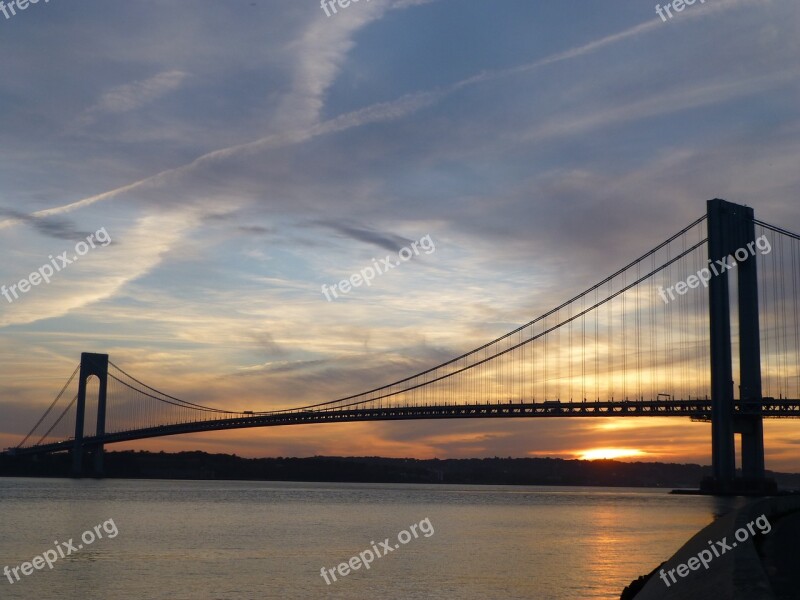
(97, 365)
(731, 227)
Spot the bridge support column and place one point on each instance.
(750, 427)
(723, 453)
(731, 228)
(97, 365)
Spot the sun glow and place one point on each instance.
(608, 453)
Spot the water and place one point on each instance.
(199, 540)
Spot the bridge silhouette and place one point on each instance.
(661, 337)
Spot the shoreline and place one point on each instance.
(197, 465)
(738, 568)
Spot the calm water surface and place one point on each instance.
(261, 540)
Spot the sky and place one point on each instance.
(233, 157)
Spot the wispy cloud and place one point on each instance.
(387, 241)
(384, 111)
(100, 275)
(52, 226)
(133, 96)
(659, 103)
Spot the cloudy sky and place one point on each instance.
(242, 153)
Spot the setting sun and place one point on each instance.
(608, 453)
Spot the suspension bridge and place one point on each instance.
(664, 336)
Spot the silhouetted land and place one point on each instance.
(497, 471)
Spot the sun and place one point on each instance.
(608, 453)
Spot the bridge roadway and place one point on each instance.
(697, 410)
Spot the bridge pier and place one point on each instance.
(97, 365)
(730, 228)
(751, 428)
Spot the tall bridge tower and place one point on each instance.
(731, 228)
(97, 365)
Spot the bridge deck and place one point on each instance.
(698, 410)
